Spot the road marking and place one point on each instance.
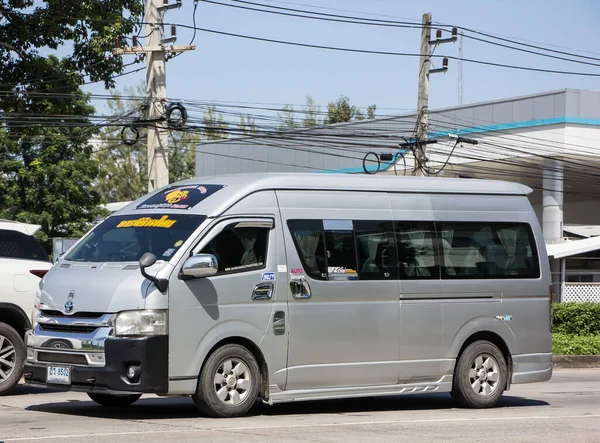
(312, 425)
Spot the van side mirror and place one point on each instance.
(147, 260)
(200, 265)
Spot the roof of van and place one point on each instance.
(232, 187)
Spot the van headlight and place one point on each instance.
(146, 322)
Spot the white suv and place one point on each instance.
(23, 262)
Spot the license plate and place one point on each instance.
(60, 375)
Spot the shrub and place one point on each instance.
(567, 344)
(576, 318)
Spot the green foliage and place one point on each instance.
(124, 168)
(46, 169)
(576, 318)
(342, 111)
(569, 344)
(311, 113)
(248, 125)
(29, 25)
(214, 126)
(287, 117)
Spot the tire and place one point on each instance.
(114, 401)
(12, 358)
(229, 382)
(480, 376)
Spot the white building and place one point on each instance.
(548, 141)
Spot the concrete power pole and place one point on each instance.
(157, 49)
(423, 99)
(156, 91)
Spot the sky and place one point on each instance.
(228, 69)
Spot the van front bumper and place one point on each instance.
(150, 354)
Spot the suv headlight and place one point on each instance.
(147, 322)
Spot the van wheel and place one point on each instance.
(12, 358)
(480, 376)
(229, 382)
(114, 401)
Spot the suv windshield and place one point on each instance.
(14, 244)
(128, 237)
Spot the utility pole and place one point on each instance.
(158, 50)
(423, 97)
(460, 68)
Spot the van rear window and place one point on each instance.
(128, 237)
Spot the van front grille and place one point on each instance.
(50, 357)
(50, 313)
(67, 328)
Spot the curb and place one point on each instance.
(576, 361)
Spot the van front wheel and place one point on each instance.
(480, 376)
(229, 382)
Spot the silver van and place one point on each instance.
(296, 287)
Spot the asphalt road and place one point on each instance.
(564, 409)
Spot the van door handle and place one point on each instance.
(262, 291)
(300, 289)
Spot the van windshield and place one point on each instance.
(127, 237)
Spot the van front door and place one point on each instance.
(343, 298)
(240, 301)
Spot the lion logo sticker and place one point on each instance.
(179, 197)
(176, 196)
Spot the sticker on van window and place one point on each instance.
(267, 276)
(180, 197)
(148, 222)
(179, 243)
(169, 252)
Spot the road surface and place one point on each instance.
(564, 409)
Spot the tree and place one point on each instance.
(214, 126)
(124, 168)
(342, 111)
(28, 25)
(123, 172)
(247, 125)
(287, 117)
(46, 169)
(311, 113)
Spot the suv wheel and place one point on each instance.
(12, 358)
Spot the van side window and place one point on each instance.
(310, 244)
(487, 250)
(341, 250)
(417, 250)
(239, 248)
(376, 248)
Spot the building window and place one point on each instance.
(417, 250)
(310, 245)
(239, 248)
(487, 250)
(376, 249)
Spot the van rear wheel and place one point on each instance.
(12, 358)
(114, 401)
(480, 376)
(229, 382)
